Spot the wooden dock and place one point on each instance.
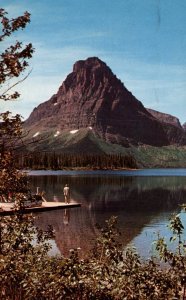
(7, 209)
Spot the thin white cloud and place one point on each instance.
(33, 90)
(14, 10)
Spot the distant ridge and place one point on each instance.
(171, 126)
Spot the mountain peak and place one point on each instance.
(92, 77)
(92, 96)
(91, 62)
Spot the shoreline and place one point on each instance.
(84, 169)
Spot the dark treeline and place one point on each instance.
(55, 161)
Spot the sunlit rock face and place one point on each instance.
(93, 97)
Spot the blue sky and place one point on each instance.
(142, 41)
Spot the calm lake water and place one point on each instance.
(143, 200)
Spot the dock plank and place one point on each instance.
(7, 209)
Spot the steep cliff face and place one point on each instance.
(92, 96)
(165, 118)
(184, 126)
(172, 127)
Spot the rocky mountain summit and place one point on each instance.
(92, 97)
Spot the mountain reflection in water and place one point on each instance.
(141, 204)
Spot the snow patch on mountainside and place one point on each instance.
(74, 131)
(36, 134)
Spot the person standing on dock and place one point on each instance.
(66, 192)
